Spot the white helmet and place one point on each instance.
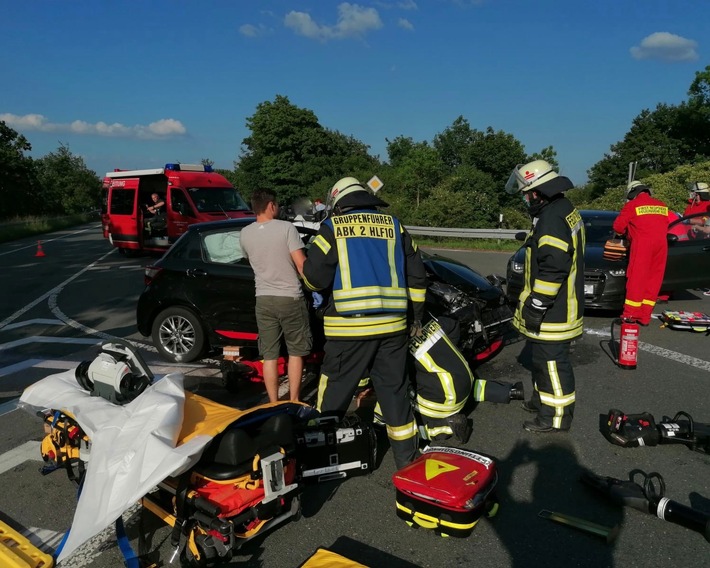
(699, 187)
(636, 187)
(528, 176)
(343, 187)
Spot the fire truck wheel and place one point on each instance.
(178, 335)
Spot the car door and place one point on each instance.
(226, 293)
(688, 264)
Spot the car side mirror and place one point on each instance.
(496, 279)
(520, 236)
(671, 238)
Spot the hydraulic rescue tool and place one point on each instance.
(634, 430)
(648, 498)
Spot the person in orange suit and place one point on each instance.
(644, 222)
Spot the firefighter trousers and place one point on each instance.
(647, 265)
(384, 360)
(553, 383)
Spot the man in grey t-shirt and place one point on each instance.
(275, 252)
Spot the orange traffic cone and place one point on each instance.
(39, 252)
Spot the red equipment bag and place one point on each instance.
(447, 490)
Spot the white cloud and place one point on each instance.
(353, 21)
(164, 128)
(407, 5)
(249, 30)
(666, 47)
(404, 23)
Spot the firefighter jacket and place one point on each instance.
(443, 377)
(645, 219)
(697, 206)
(554, 272)
(374, 271)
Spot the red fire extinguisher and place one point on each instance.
(628, 344)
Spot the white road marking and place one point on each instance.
(19, 455)
(50, 240)
(36, 321)
(43, 297)
(660, 351)
(45, 339)
(21, 366)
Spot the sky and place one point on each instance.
(137, 84)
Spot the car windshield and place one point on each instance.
(598, 229)
(217, 199)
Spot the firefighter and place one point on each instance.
(550, 308)
(644, 221)
(698, 202)
(442, 383)
(375, 276)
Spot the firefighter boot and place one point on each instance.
(460, 427)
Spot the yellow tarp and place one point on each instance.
(326, 559)
(203, 416)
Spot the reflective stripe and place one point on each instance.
(364, 382)
(553, 242)
(437, 409)
(374, 304)
(364, 326)
(632, 303)
(322, 385)
(649, 302)
(392, 262)
(322, 244)
(399, 433)
(308, 284)
(479, 390)
(546, 288)
(417, 294)
(432, 432)
(343, 263)
(370, 291)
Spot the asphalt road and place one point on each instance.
(56, 308)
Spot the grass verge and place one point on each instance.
(16, 228)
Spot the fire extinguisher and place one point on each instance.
(628, 345)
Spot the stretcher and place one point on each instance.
(688, 321)
(16, 551)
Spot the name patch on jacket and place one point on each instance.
(573, 218)
(652, 210)
(431, 333)
(370, 225)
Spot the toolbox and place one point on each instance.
(447, 490)
(330, 448)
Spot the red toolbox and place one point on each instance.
(447, 490)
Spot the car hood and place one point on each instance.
(462, 276)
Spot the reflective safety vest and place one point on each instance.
(373, 269)
(554, 272)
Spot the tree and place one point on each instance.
(68, 186)
(660, 140)
(18, 183)
(454, 142)
(290, 152)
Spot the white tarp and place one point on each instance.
(133, 446)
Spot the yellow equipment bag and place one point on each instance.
(615, 249)
(16, 551)
(324, 558)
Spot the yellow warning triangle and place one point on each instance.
(436, 467)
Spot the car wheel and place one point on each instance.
(178, 335)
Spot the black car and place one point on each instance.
(688, 264)
(200, 296)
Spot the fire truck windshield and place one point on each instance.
(217, 199)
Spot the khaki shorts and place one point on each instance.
(283, 317)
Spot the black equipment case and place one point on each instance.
(447, 490)
(329, 448)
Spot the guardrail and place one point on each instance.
(464, 233)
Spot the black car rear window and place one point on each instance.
(188, 247)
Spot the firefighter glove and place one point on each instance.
(415, 329)
(533, 313)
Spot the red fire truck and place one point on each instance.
(189, 193)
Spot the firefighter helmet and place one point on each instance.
(348, 192)
(699, 187)
(636, 187)
(535, 175)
